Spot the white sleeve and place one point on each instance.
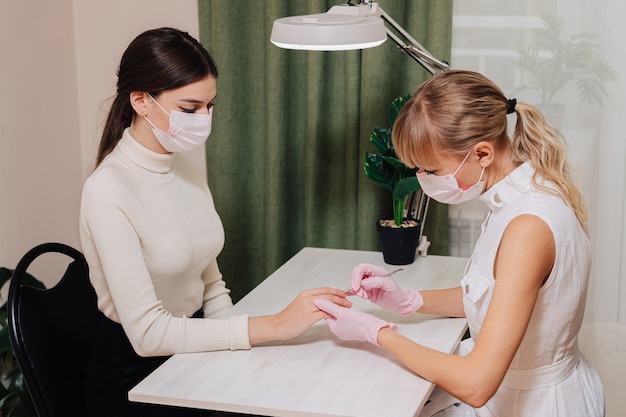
(124, 286)
(216, 298)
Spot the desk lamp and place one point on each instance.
(357, 26)
(350, 26)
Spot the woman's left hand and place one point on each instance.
(348, 324)
(297, 317)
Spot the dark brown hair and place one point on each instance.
(155, 61)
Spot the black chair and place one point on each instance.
(51, 333)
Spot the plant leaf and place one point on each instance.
(5, 342)
(385, 169)
(378, 171)
(28, 279)
(380, 138)
(394, 162)
(558, 60)
(5, 275)
(395, 107)
(14, 400)
(404, 187)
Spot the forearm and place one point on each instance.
(447, 303)
(263, 329)
(280, 326)
(458, 375)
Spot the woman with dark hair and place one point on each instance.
(525, 286)
(151, 235)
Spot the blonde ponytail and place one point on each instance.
(535, 140)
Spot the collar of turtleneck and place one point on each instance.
(143, 157)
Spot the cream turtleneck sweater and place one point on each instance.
(151, 235)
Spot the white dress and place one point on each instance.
(548, 375)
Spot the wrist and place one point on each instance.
(412, 302)
(384, 334)
(263, 329)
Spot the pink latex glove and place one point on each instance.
(348, 324)
(361, 272)
(374, 283)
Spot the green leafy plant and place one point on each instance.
(384, 167)
(15, 400)
(568, 60)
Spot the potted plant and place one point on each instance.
(398, 237)
(558, 60)
(15, 399)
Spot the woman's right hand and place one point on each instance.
(375, 283)
(362, 272)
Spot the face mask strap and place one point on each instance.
(459, 168)
(162, 109)
(481, 175)
(157, 103)
(151, 124)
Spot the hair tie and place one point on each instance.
(511, 107)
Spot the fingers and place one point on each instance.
(327, 306)
(377, 282)
(324, 291)
(368, 270)
(358, 273)
(363, 272)
(333, 295)
(320, 315)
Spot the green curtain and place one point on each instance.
(291, 128)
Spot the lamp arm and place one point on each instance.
(411, 46)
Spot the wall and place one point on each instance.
(103, 30)
(39, 146)
(58, 69)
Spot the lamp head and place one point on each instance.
(350, 26)
(343, 27)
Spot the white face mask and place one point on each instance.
(445, 188)
(187, 131)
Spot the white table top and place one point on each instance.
(314, 374)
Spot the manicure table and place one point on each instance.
(314, 374)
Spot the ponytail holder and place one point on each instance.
(511, 107)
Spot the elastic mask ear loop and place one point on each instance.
(151, 124)
(162, 109)
(481, 175)
(459, 168)
(157, 103)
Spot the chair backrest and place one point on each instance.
(51, 333)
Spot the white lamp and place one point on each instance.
(349, 26)
(352, 26)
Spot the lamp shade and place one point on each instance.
(342, 27)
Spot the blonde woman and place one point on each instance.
(525, 286)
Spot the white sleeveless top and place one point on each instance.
(548, 375)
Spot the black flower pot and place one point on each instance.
(399, 244)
